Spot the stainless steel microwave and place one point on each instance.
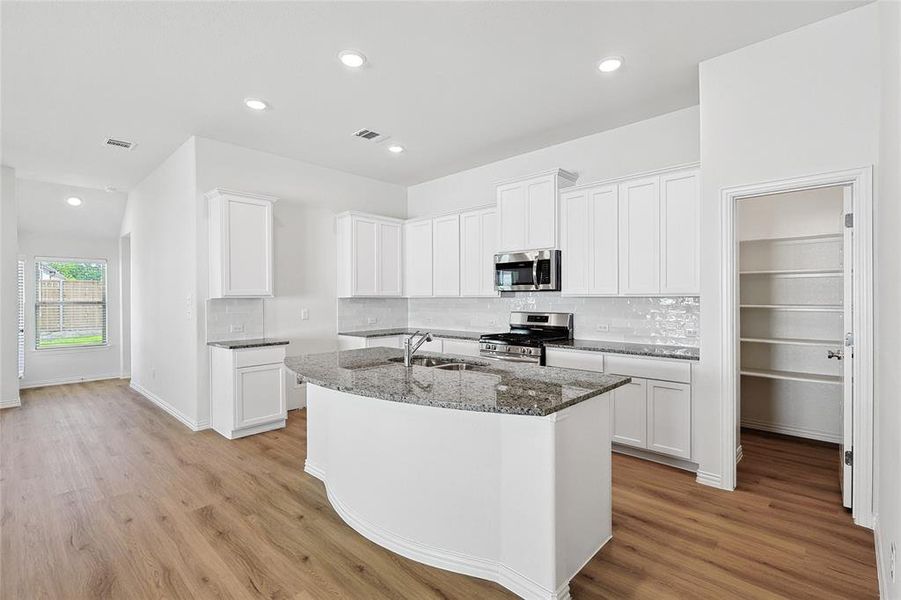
(533, 270)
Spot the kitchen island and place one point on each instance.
(494, 469)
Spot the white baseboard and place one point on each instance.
(655, 457)
(710, 479)
(13, 403)
(183, 418)
(65, 381)
(811, 434)
(883, 568)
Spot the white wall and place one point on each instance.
(305, 243)
(663, 141)
(801, 103)
(9, 376)
(888, 299)
(50, 367)
(794, 214)
(160, 218)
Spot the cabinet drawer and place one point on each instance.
(567, 359)
(250, 357)
(648, 368)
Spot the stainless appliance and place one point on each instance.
(528, 333)
(533, 270)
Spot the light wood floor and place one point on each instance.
(106, 496)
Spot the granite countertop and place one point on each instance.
(251, 343)
(447, 334)
(637, 349)
(493, 386)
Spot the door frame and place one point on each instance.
(860, 181)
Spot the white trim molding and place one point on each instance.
(65, 381)
(14, 403)
(804, 432)
(180, 416)
(860, 182)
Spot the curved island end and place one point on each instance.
(497, 470)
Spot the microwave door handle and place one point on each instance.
(535, 274)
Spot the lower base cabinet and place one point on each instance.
(630, 414)
(247, 390)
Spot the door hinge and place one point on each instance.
(849, 457)
(849, 220)
(849, 339)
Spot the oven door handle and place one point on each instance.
(535, 274)
(508, 357)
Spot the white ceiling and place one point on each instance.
(42, 209)
(458, 84)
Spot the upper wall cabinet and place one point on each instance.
(527, 210)
(589, 240)
(370, 255)
(446, 255)
(240, 244)
(637, 237)
(418, 258)
(680, 235)
(478, 245)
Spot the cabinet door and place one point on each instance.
(511, 214)
(446, 253)
(575, 242)
(364, 257)
(639, 236)
(418, 258)
(604, 226)
(630, 414)
(471, 260)
(669, 418)
(390, 245)
(489, 249)
(247, 252)
(679, 233)
(259, 395)
(541, 213)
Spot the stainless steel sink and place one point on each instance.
(424, 361)
(459, 366)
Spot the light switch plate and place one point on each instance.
(304, 314)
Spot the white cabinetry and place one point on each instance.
(370, 251)
(240, 235)
(679, 233)
(418, 258)
(639, 236)
(653, 411)
(589, 240)
(247, 390)
(478, 245)
(446, 256)
(527, 210)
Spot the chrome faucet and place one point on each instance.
(410, 348)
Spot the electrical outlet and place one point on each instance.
(304, 314)
(603, 327)
(371, 320)
(236, 328)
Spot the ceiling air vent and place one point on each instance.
(367, 134)
(120, 143)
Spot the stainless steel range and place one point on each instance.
(528, 333)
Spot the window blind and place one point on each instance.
(20, 287)
(70, 303)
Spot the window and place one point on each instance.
(20, 307)
(70, 303)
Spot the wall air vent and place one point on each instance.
(120, 144)
(367, 134)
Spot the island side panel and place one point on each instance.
(584, 484)
(316, 463)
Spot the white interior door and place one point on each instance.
(847, 468)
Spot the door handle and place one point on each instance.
(833, 354)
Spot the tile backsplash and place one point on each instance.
(669, 320)
(234, 319)
(355, 314)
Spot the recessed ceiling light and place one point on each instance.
(73, 201)
(255, 104)
(395, 149)
(352, 58)
(610, 64)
